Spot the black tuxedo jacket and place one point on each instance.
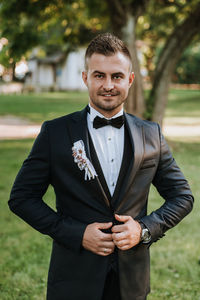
(76, 273)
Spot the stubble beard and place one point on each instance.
(106, 106)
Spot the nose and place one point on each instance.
(108, 84)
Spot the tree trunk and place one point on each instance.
(13, 66)
(169, 57)
(135, 102)
(124, 16)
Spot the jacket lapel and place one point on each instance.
(77, 128)
(135, 130)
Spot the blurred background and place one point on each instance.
(42, 46)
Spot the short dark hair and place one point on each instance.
(108, 45)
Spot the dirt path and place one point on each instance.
(12, 127)
(182, 127)
(17, 128)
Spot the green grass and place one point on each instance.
(175, 259)
(25, 253)
(183, 103)
(46, 106)
(40, 107)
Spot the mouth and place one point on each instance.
(108, 95)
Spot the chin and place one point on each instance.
(110, 107)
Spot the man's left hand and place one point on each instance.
(127, 235)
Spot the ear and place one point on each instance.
(131, 78)
(84, 77)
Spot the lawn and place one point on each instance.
(40, 107)
(25, 253)
(183, 103)
(46, 106)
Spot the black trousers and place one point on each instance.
(112, 286)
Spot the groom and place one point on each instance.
(101, 163)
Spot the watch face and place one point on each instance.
(146, 237)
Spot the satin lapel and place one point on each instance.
(78, 130)
(137, 140)
(77, 127)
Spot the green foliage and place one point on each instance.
(188, 68)
(157, 24)
(62, 25)
(55, 25)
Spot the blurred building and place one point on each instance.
(57, 72)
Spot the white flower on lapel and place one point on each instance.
(78, 152)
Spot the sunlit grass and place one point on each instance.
(175, 259)
(183, 103)
(40, 107)
(24, 253)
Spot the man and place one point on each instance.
(101, 163)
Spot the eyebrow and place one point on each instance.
(118, 73)
(113, 74)
(98, 72)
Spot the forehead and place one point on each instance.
(108, 64)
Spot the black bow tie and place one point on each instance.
(100, 122)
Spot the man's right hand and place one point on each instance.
(97, 241)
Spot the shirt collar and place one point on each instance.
(93, 113)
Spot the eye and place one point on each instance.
(116, 77)
(99, 76)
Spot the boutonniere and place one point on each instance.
(78, 152)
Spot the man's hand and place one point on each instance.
(127, 235)
(96, 241)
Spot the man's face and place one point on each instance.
(108, 79)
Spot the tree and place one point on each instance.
(123, 17)
(176, 36)
(124, 21)
(187, 70)
(167, 27)
(174, 46)
(53, 25)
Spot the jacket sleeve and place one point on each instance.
(173, 187)
(26, 195)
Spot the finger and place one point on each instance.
(107, 245)
(122, 243)
(121, 218)
(106, 236)
(106, 249)
(119, 236)
(104, 225)
(103, 253)
(125, 247)
(119, 228)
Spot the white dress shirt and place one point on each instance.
(109, 145)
